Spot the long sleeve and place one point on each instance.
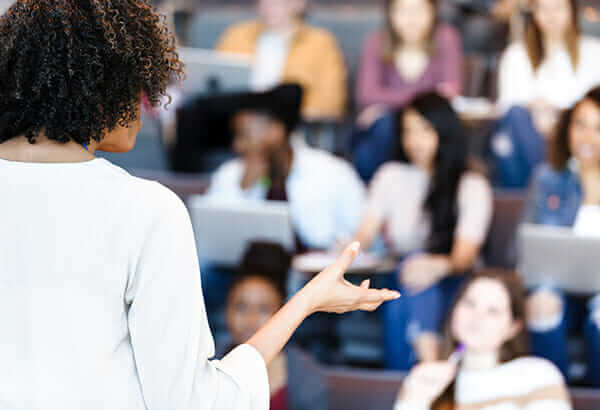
(327, 97)
(370, 89)
(451, 57)
(225, 183)
(169, 330)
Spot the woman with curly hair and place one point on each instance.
(100, 298)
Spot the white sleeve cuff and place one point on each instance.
(247, 368)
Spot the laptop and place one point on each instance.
(210, 72)
(225, 229)
(557, 257)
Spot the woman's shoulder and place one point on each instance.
(445, 32)
(319, 36)
(589, 43)
(523, 379)
(147, 196)
(546, 174)
(398, 170)
(374, 39)
(515, 52)
(534, 373)
(474, 180)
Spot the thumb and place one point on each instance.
(346, 259)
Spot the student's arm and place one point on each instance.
(328, 95)
(375, 209)
(475, 207)
(450, 46)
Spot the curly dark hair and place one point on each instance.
(74, 69)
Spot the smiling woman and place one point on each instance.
(100, 297)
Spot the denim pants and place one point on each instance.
(405, 318)
(578, 313)
(516, 148)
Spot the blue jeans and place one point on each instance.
(552, 344)
(373, 147)
(517, 148)
(405, 318)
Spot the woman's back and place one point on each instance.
(79, 242)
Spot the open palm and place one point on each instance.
(331, 292)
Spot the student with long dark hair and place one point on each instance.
(566, 192)
(486, 327)
(434, 208)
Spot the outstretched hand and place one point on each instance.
(330, 292)
(326, 292)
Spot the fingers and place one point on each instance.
(344, 261)
(365, 284)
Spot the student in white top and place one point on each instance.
(485, 347)
(549, 71)
(555, 65)
(325, 194)
(100, 296)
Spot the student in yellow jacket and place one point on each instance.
(285, 49)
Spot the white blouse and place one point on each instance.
(555, 80)
(100, 299)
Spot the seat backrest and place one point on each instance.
(586, 399)
(508, 206)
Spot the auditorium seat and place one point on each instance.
(351, 389)
(586, 399)
(499, 249)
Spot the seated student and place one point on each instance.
(549, 71)
(325, 194)
(433, 208)
(487, 322)
(566, 192)
(286, 49)
(257, 293)
(413, 54)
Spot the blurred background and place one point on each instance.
(449, 137)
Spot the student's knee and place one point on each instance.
(594, 314)
(517, 113)
(545, 310)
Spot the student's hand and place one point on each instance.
(427, 381)
(370, 115)
(422, 271)
(330, 292)
(256, 167)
